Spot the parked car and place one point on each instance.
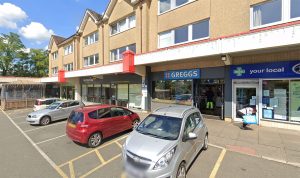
(56, 111)
(43, 103)
(90, 124)
(165, 143)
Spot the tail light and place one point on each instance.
(84, 126)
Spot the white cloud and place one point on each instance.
(10, 14)
(36, 31)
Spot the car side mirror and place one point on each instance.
(190, 136)
(59, 107)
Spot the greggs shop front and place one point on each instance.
(270, 91)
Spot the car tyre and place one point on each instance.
(95, 140)
(181, 172)
(135, 123)
(45, 120)
(205, 142)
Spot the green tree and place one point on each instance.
(39, 62)
(10, 48)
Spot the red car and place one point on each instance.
(90, 124)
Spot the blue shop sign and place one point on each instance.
(182, 74)
(290, 69)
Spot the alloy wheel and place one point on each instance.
(95, 140)
(181, 173)
(45, 120)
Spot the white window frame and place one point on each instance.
(91, 37)
(118, 53)
(127, 25)
(88, 59)
(54, 55)
(285, 16)
(173, 6)
(190, 34)
(68, 49)
(54, 70)
(68, 67)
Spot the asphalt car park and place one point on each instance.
(76, 160)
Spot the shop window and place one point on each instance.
(135, 95)
(295, 8)
(173, 92)
(295, 100)
(275, 101)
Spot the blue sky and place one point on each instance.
(36, 20)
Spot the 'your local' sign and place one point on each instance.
(289, 69)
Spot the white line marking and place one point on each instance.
(51, 139)
(36, 147)
(216, 146)
(42, 127)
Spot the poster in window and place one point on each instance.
(280, 112)
(295, 101)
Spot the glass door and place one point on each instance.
(245, 101)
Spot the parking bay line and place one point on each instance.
(51, 139)
(100, 156)
(42, 127)
(102, 146)
(218, 164)
(72, 172)
(101, 165)
(44, 155)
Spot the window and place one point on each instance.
(116, 54)
(190, 125)
(165, 5)
(91, 39)
(91, 60)
(68, 67)
(54, 55)
(68, 49)
(54, 70)
(122, 25)
(117, 112)
(295, 8)
(196, 31)
(274, 11)
(100, 113)
(74, 103)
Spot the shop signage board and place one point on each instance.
(182, 74)
(290, 69)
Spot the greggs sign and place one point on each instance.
(182, 74)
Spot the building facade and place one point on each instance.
(228, 58)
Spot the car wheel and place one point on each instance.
(181, 172)
(45, 120)
(95, 140)
(135, 123)
(205, 142)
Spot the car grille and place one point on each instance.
(137, 162)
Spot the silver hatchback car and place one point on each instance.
(165, 143)
(56, 111)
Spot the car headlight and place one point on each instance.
(165, 160)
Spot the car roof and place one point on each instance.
(174, 111)
(45, 99)
(64, 101)
(93, 107)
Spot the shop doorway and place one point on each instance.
(209, 97)
(245, 97)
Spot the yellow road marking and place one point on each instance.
(100, 156)
(72, 172)
(218, 164)
(119, 144)
(107, 144)
(98, 167)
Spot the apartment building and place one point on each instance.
(228, 58)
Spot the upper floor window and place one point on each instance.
(90, 39)
(274, 11)
(54, 55)
(68, 49)
(196, 31)
(122, 25)
(91, 60)
(68, 67)
(166, 5)
(54, 70)
(116, 54)
(295, 8)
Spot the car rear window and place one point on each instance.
(76, 117)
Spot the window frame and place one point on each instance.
(54, 72)
(173, 6)
(127, 24)
(190, 34)
(92, 36)
(54, 55)
(68, 49)
(118, 52)
(69, 67)
(88, 59)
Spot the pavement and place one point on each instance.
(35, 151)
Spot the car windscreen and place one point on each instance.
(163, 127)
(76, 117)
(53, 105)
